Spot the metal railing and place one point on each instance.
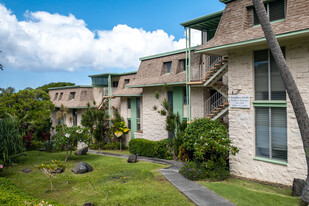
(198, 72)
(215, 100)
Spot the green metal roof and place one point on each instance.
(226, 1)
(155, 85)
(166, 53)
(112, 74)
(207, 22)
(70, 87)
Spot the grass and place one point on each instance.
(245, 193)
(125, 152)
(115, 181)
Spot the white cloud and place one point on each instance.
(50, 42)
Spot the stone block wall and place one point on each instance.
(242, 121)
(153, 123)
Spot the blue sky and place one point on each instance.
(47, 41)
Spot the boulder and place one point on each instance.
(82, 167)
(298, 186)
(88, 204)
(132, 159)
(82, 151)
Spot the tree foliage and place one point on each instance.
(32, 109)
(45, 87)
(9, 90)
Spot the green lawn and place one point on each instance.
(125, 152)
(143, 185)
(245, 193)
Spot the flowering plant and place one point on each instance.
(67, 138)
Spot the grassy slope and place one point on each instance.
(144, 185)
(243, 193)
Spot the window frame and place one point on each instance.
(266, 4)
(72, 95)
(269, 104)
(165, 67)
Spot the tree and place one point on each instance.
(32, 108)
(45, 87)
(290, 85)
(9, 90)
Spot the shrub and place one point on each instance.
(107, 146)
(205, 170)
(160, 149)
(49, 145)
(35, 145)
(207, 145)
(205, 139)
(11, 144)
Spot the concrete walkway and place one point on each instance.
(197, 193)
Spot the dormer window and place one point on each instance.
(126, 81)
(72, 95)
(181, 65)
(115, 83)
(56, 96)
(275, 11)
(167, 67)
(61, 94)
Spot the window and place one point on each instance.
(100, 81)
(270, 122)
(167, 67)
(72, 95)
(181, 65)
(138, 125)
(126, 81)
(138, 107)
(268, 82)
(129, 103)
(61, 94)
(275, 11)
(185, 96)
(115, 83)
(271, 133)
(56, 96)
(129, 123)
(74, 117)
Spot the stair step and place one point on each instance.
(215, 111)
(225, 58)
(208, 75)
(211, 72)
(215, 68)
(226, 104)
(218, 65)
(219, 108)
(211, 114)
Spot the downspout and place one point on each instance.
(187, 70)
(189, 86)
(110, 93)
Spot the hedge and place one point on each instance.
(160, 149)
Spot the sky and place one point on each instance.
(43, 41)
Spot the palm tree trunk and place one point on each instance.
(290, 85)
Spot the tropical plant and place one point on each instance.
(174, 125)
(49, 170)
(11, 144)
(290, 85)
(97, 121)
(120, 129)
(68, 137)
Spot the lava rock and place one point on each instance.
(26, 170)
(82, 151)
(132, 159)
(82, 167)
(88, 204)
(298, 186)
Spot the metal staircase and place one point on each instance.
(216, 106)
